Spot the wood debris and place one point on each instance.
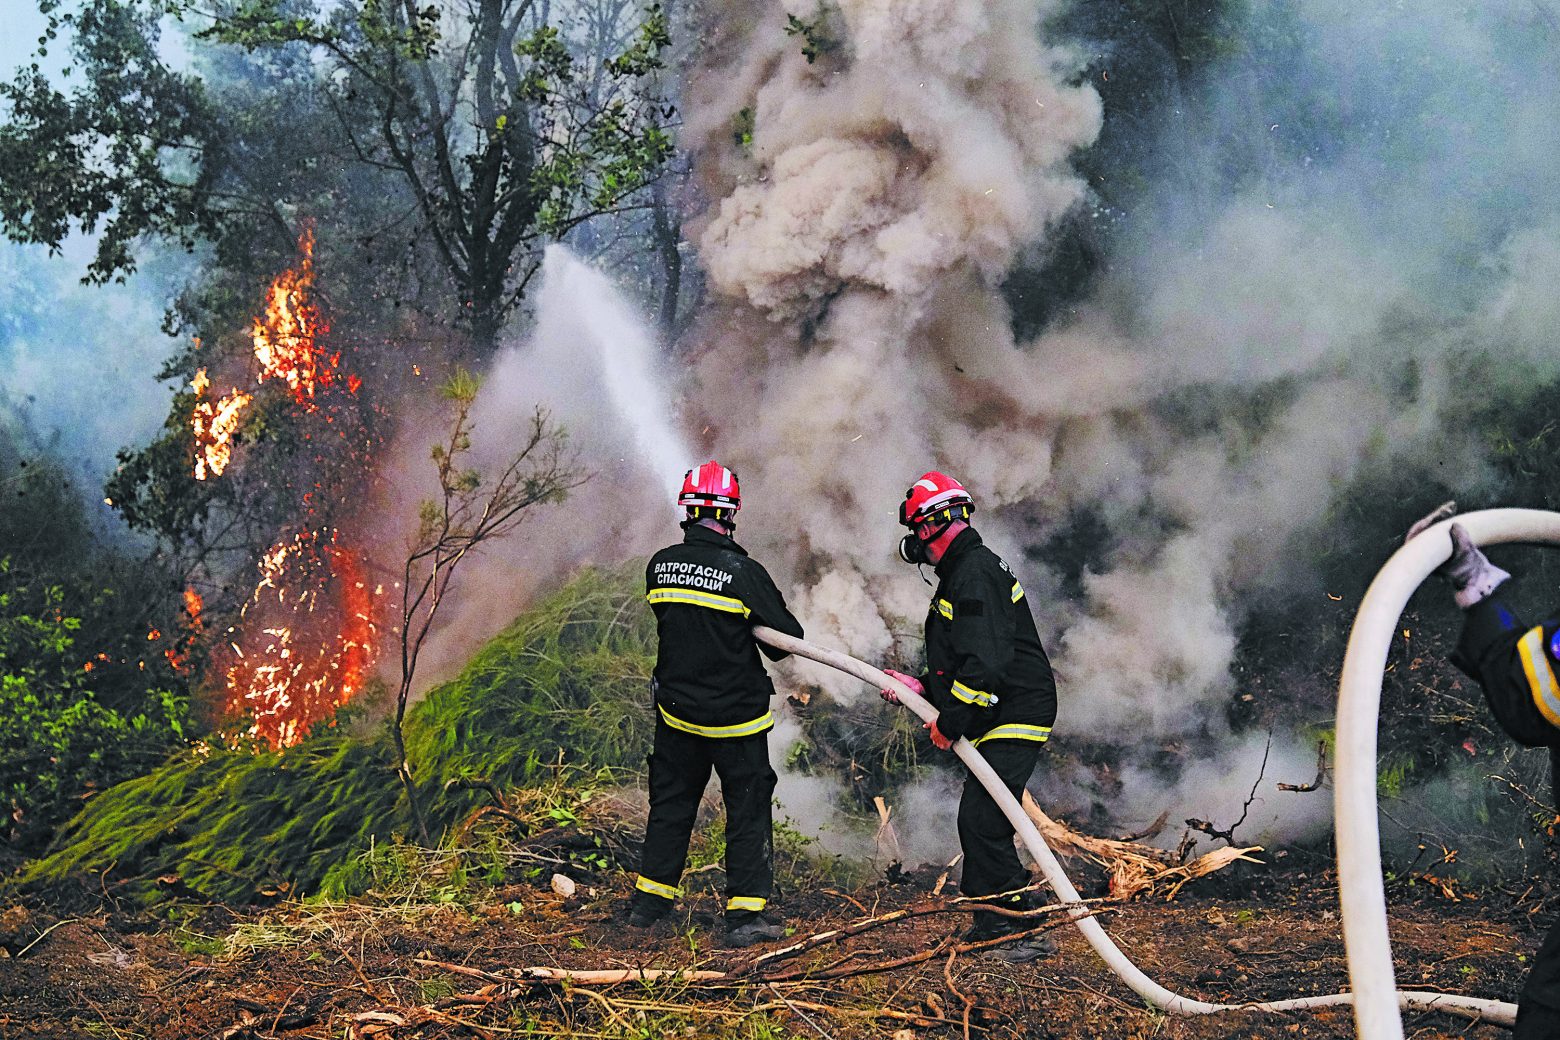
(1134, 869)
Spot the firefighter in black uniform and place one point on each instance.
(990, 680)
(712, 707)
(1515, 664)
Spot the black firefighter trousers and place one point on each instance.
(990, 860)
(1487, 651)
(679, 771)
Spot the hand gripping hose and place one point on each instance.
(1360, 891)
(1109, 952)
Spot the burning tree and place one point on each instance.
(503, 136)
(268, 464)
(468, 133)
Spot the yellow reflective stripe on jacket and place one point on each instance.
(746, 903)
(980, 698)
(1540, 676)
(694, 597)
(741, 729)
(655, 888)
(1015, 731)
(943, 607)
(1018, 592)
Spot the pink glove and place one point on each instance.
(892, 697)
(941, 742)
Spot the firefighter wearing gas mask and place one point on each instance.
(1515, 663)
(990, 680)
(712, 707)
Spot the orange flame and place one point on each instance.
(286, 666)
(287, 339)
(214, 424)
(190, 627)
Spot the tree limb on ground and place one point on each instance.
(752, 967)
(1134, 869)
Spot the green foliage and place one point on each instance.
(125, 154)
(236, 823)
(1392, 774)
(559, 136)
(88, 696)
(820, 34)
(489, 127)
(400, 873)
(742, 125)
(566, 680)
(800, 864)
(58, 741)
(154, 487)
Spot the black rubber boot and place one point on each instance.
(1023, 951)
(644, 911)
(745, 931)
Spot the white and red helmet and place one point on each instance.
(711, 485)
(933, 494)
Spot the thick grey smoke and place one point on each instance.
(889, 183)
(1366, 194)
(591, 363)
(860, 340)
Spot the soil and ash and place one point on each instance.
(431, 966)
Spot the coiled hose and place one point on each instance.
(1109, 952)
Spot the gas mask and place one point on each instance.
(913, 550)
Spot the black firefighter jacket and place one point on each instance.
(707, 595)
(987, 674)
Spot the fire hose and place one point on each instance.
(1081, 917)
(1360, 891)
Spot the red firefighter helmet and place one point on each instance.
(711, 485)
(935, 493)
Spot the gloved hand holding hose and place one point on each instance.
(887, 692)
(941, 742)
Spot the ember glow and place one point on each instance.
(304, 643)
(178, 652)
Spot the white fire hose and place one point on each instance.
(1360, 892)
(1470, 1007)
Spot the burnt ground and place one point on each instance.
(395, 968)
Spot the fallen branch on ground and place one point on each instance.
(1134, 869)
(749, 969)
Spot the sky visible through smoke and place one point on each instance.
(1373, 184)
(67, 348)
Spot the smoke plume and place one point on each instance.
(1359, 193)
(1231, 373)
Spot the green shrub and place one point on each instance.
(89, 694)
(61, 739)
(566, 680)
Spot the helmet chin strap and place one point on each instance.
(726, 525)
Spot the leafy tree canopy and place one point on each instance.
(471, 132)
